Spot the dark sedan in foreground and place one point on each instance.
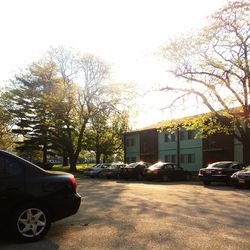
(134, 170)
(31, 198)
(219, 172)
(167, 171)
(241, 178)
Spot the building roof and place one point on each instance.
(158, 125)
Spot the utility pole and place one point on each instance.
(178, 146)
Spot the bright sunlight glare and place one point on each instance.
(126, 33)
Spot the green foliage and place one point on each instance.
(214, 67)
(6, 137)
(29, 100)
(205, 124)
(64, 102)
(105, 135)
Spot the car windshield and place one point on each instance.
(219, 165)
(156, 165)
(97, 166)
(112, 167)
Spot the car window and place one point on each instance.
(13, 167)
(237, 166)
(175, 167)
(220, 165)
(169, 166)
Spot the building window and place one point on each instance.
(173, 158)
(130, 142)
(166, 138)
(169, 137)
(170, 158)
(191, 158)
(182, 135)
(167, 158)
(191, 134)
(188, 158)
(133, 159)
(183, 160)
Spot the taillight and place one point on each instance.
(218, 172)
(73, 181)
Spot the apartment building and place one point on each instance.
(150, 144)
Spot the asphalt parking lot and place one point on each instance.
(151, 215)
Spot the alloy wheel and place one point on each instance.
(31, 223)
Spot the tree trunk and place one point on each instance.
(65, 160)
(97, 156)
(72, 162)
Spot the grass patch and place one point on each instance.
(79, 167)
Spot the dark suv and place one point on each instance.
(31, 198)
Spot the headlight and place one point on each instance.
(234, 175)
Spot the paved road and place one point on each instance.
(133, 215)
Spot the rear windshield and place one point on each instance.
(220, 165)
(156, 165)
(133, 165)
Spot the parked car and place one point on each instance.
(167, 171)
(134, 170)
(219, 171)
(31, 197)
(241, 178)
(96, 170)
(113, 171)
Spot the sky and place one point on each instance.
(127, 34)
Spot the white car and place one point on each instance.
(96, 170)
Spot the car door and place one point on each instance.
(11, 183)
(178, 172)
(168, 170)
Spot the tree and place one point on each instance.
(29, 101)
(6, 137)
(105, 134)
(55, 99)
(214, 65)
(80, 101)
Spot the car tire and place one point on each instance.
(165, 178)
(139, 177)
(30, 222)
(188, 177)
(206, 183)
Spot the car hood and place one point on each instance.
(211, 168)
(244, 171)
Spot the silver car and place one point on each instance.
(96, 170)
